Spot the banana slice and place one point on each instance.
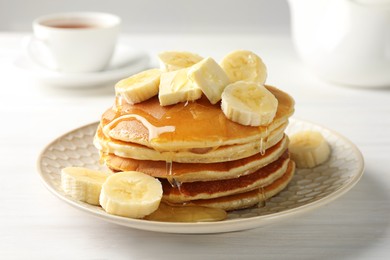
(130, 194)
(175, 60)
(175, 87)
(244, 65)
(249, 103)
(308, 149)
(139, 87)
(83, 184)
(210, 78)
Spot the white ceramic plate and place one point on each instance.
(309, 189)
(125, 62)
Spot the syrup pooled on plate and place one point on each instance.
(186, 213)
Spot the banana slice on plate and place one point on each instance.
(210, 78)
(309, 149)
(175, 60)
(249, 103)
(139, 87)
(83, 184)
(244, 65)
(131, 194)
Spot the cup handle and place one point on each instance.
(38, 51)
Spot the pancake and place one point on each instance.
(199, 155)
(183, 192)
(207, 155)
(186, 125)
(250, 198)
(190, 172)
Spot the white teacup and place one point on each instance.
(344, 41)
(74, 42)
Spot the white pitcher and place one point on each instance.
(344, 41)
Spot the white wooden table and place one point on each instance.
(34, 224)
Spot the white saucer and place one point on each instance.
(125, 62)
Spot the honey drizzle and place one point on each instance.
(170, 174)
(261, 197)
(262, 150)
(154, 131)
(186, 213)
(263, 140)
(118, 105)
(200, 112)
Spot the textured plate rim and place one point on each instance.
(229, 225)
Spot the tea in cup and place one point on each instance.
(75, 42)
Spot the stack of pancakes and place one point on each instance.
(199, 155)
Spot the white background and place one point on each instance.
(200, 16)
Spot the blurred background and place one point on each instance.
(166, 16)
